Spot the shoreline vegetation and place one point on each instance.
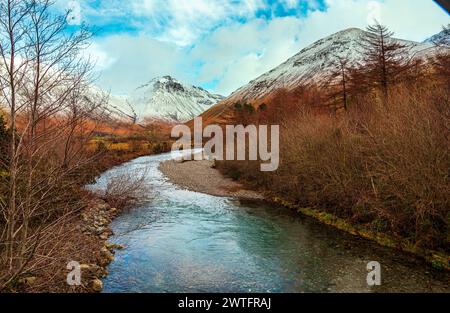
(83, 234)
(368, 150)
(437, 260)
(380, 174)
(217, 184)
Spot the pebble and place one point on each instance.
(97, 285)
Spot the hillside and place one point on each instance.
(312, 63)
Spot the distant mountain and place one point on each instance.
(443, 36)
(313, 62)
(164, 99)
(120, 108)
(168, 99)
(310, 64)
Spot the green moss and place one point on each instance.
(437, 260)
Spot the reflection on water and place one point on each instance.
(182, 241)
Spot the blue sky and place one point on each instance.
(222, 44)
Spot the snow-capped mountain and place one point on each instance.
(120, 108)
(168, 99)
(312, 63)
(117, 107)
(442, 37)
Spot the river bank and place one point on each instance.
(84, 242)
(95, 236)
(201, 176)
(184, 241)
(83, 239)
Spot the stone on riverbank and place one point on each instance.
(96, 285)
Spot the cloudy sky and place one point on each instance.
(223, 44)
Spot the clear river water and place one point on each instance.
(183, 241)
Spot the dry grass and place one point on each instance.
(385, 169)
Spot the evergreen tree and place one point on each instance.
(386, 60)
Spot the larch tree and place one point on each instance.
(385, 59)
(337, 82)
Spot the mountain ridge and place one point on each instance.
(164, 99)
(310, 64)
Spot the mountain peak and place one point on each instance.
(351, 30)
(442, 36)
(312, 63)
(169, 84)
(352, 33)
(167, 98)
(164, 79)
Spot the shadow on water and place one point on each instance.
(182, 241)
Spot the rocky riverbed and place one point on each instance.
(96, 219)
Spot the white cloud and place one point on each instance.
(259, 46)
(127, 61)
(183, 22)
(226, 50)
(416, 21)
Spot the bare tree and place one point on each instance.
(12, 44)
(45, 84)
(337, 82)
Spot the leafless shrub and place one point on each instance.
(385, 169)
(126, 189)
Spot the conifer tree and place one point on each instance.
(386, 60)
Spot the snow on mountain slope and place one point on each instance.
(117, 107)
(120, 107)
(312, 63)
(168, 99)
(442, 37)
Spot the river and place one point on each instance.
(183, 241)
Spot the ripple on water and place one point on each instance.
(182, 241)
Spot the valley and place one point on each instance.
(187, 241)
(315, 172)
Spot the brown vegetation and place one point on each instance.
(49, 123)
(125, 190)
(383, 164)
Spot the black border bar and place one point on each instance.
(128, 303)
(445, 4)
